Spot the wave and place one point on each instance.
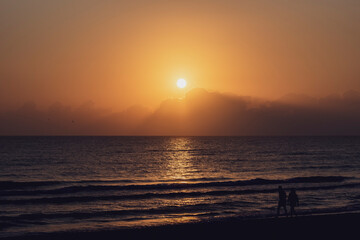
(162, 186)
(298, 153)
(5, 185)
(171, 195)
(10, 185)
(202, 207)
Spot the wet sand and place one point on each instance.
(336, 226)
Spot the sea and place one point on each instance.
(57, 184)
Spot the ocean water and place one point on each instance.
(51, 184)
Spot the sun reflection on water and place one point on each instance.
(179, 162)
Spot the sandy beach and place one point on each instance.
(343, 225)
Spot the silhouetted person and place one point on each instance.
(282, 201)
(293, 201)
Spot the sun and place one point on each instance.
(181, 83)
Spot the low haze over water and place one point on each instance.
(85, 183)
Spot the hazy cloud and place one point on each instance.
(199, 113)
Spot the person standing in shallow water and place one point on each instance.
(282, 201)
(293, 201)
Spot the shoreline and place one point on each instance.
(302, 226)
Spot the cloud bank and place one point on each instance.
(199, 113)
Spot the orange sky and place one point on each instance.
(121, 53)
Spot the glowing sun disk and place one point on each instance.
(181, 83)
